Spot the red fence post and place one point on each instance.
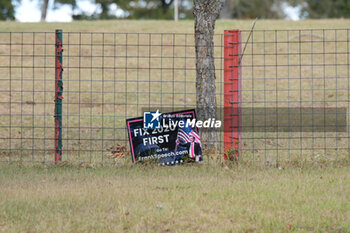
(58, 96)
(232, 94)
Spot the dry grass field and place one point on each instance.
(168, 199)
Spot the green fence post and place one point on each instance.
(58, 96)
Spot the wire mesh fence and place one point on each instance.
(286, 77)
(300, 78)
(107, 78)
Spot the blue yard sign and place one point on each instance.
(167, 138)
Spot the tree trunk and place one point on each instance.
(206, 12)
(44, 10)
(165, 5)
(227, 10)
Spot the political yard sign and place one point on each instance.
(168, 138)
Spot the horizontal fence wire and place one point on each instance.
(109, 77)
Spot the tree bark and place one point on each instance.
(44, 10)
(206, 13)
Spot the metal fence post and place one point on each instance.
(58, 96)
(232, 94)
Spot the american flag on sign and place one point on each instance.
(184, 137)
